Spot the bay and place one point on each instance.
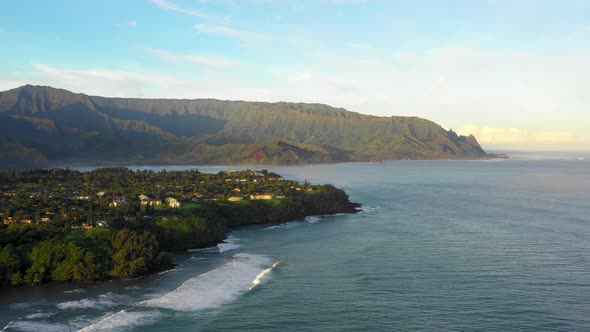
(500, 245)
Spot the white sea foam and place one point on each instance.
(133, 288)
(262, 276)
(40, 314)
(103, 301)
(314, 219)
(123, 318)
(228, 244)
(370, 209)
(166, 271)
(77, 290)
(198, 258)
(215, 288)
(209, 249)
(284, 225)
(7, 326)
(35, 326)
(21, 305)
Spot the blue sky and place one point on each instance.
(514, 73)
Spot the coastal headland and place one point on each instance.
(71, 226)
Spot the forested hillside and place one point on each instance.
(43, 125)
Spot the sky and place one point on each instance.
(515, 73)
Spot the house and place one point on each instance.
(235, 198)
(119, 201)
(280, 196)
(100, 193)
(173, 202)
(9, 221)
(145, 200)
(237, 190)
(83, 226)
(81, 198)
(45, 219)
(261, 196)
(102, 223)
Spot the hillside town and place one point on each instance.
(63, 197)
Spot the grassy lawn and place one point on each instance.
(185, 208)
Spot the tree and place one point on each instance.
(90, 214)
(44, 258)
(10, 264)
(80, 264)
(133, 253)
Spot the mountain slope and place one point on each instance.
(61, 126)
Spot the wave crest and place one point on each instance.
(215, 288)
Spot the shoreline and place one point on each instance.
(106, 164)
(211, 245)
(101, 240)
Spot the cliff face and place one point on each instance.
(56, 125)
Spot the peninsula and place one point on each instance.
(66, 225)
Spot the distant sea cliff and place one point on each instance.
(41, 126)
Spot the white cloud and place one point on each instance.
(338, 59)
(139, 84)
(210, 61)
(100, 81)
(168, 5)
(228, 32)
(522, 138)
(510, 98)
(298, 76)
(545, 97)
(8, 83)
(132, 24)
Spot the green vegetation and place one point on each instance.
(43, 125)
(65, 225)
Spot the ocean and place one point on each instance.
(498, 245)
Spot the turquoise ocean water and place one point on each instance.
(499, 245)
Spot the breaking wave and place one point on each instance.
(207, 250)
(217, 287)
(209, 290)
(284, 225)
(314, 219)
(35, 326)
(260, 277)
(228, 244)
(370, 209)
(40, 314)
(104, 301)
(123, 318)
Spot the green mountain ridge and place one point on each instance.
(43, 125)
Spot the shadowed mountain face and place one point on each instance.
(40, 125)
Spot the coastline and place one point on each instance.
(163, 163)
(210, 245)
(133, 240)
